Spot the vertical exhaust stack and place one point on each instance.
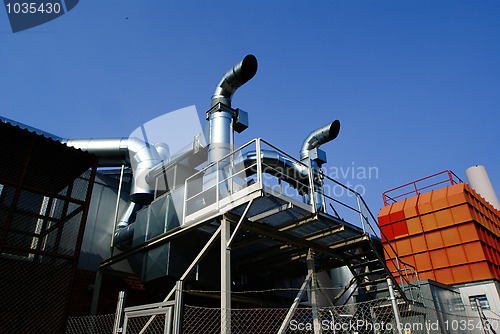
(220, 115)
(480, 182)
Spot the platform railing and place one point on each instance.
(416, 187)
(235, 176)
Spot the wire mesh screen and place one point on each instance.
(144, 325)
(43, 202)
(375, 316)
(99, 324)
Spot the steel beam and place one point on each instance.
(225, 276)
(314, 292)
(295, 303)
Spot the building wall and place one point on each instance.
(100, 222)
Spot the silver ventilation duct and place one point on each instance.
(237, 76)
(128, 216)
(276, 164)
(220, 115)
(124, 151)
(318, 137)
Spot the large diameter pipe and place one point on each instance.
(480, 182)
(318, 137)
(133, 152)
(221, 119)
(238, 75)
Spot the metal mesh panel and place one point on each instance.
(136, 324)
(100, 324)
(376, 316)
(41, 227)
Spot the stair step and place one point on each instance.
(372, 272)
(374, 282)
(357, 256)
(367, 263)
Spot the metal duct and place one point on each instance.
(238, 75)
(163, 150)
(124, 231)
(221, 115)
(318, 137)
(295, 174)
(124, 151)
(128, 216)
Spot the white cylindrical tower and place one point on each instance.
(480, 182)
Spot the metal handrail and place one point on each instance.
(402, 268)
(416, 190)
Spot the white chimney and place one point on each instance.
(480, 182)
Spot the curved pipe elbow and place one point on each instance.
(133, 152)
(237, 76)
(123, 237)
(318, 137)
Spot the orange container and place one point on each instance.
(474, 252)
(383, 216)
(468, 232)
(388, 233)
(423, 262)
(444, 275)
(397, 213)
(439, 258)
(410, 208)
(418, 244)
(456, 194)
(439, 199)
(434, 240)
(456, 255)
(427, 275)
(452, 235)
(403, 247)
(424, 203)
(461, 213)
(481, 271)
(444, 218)
(400, 229)
(414, 226)
(461, 274)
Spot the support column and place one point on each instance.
(119, 313)
(314, 292)
(225, 279)
(394, 302)
(96, 293)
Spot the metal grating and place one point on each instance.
(44, 196)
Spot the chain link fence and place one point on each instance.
(374, 317)
(99, 324)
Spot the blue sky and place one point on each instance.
(415, 84)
